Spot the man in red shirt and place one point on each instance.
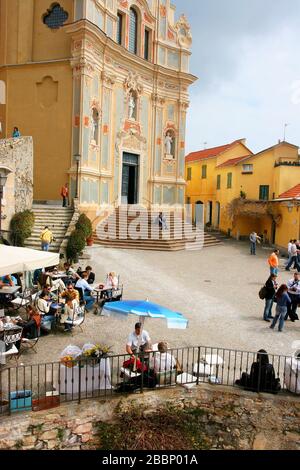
(65, 194)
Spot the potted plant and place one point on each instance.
(85, 225)
(94, 353)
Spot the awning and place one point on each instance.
(14, 259)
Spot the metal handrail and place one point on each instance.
(197, 364)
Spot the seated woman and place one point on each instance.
(31, 327)
(262, 376)
(112, 282)
(46, 311)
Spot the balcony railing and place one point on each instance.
(287, 163)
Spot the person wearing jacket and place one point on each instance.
(271, 288)
(46, 238)
(262, 376)
(294, 293)
(283, 302)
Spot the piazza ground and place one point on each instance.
(216, 289)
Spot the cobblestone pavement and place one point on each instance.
(216, 289)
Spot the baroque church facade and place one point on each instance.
(103, 88)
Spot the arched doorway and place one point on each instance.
(199, 213)
(208, 214)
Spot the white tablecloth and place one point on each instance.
(92, 378)
(292, 375)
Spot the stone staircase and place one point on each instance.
(179, 236)
(57, 218)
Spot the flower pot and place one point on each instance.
(90, 241)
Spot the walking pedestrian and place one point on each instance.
(274, 262)
(271, 288)
(46, 238)
(254, 239)
(289, 249)
(283, 301)
(65, 194)
(294, 293)
(294, 257)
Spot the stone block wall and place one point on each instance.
(17, 155)
(231, 419)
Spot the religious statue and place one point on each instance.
(94, 125)
(168, 144)
(131, 106)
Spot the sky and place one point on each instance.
(246, 55)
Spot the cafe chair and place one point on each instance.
(76, 321)
(29, 343)
(10, 338)
(23, 300)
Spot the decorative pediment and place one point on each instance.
(183, 29)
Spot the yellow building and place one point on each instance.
(105, 80)
(241, 191)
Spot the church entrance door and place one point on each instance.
(130, 177)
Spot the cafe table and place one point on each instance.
(9, 290)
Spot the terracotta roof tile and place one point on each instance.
(233, 161)
(212, 152)
(207, 153)
(293, 193)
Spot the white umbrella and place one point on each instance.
(14, 259)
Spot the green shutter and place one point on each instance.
(229, 180)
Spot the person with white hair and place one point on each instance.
(292, 373)
(162, 360)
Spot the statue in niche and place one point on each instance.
(95, 125)
(169, 144)
(132, 106)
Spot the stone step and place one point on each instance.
(143, 244)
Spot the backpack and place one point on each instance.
(262, 293)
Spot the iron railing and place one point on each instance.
(42, 386)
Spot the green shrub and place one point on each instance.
(76, 244)
(21, 227)
(85, 225)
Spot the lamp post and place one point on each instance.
(4, 172)
(77, 158)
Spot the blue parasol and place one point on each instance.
(144, 309)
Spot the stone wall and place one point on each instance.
(231, 419)
(17, 154)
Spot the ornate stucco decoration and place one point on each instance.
(81, 66)
(183, 30)
(131, 140)
(158, 100)
(133, 83)
(108, 79)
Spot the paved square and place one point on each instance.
(216, 289)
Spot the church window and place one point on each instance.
(133, 31)
(55, 17)
(120, 29)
